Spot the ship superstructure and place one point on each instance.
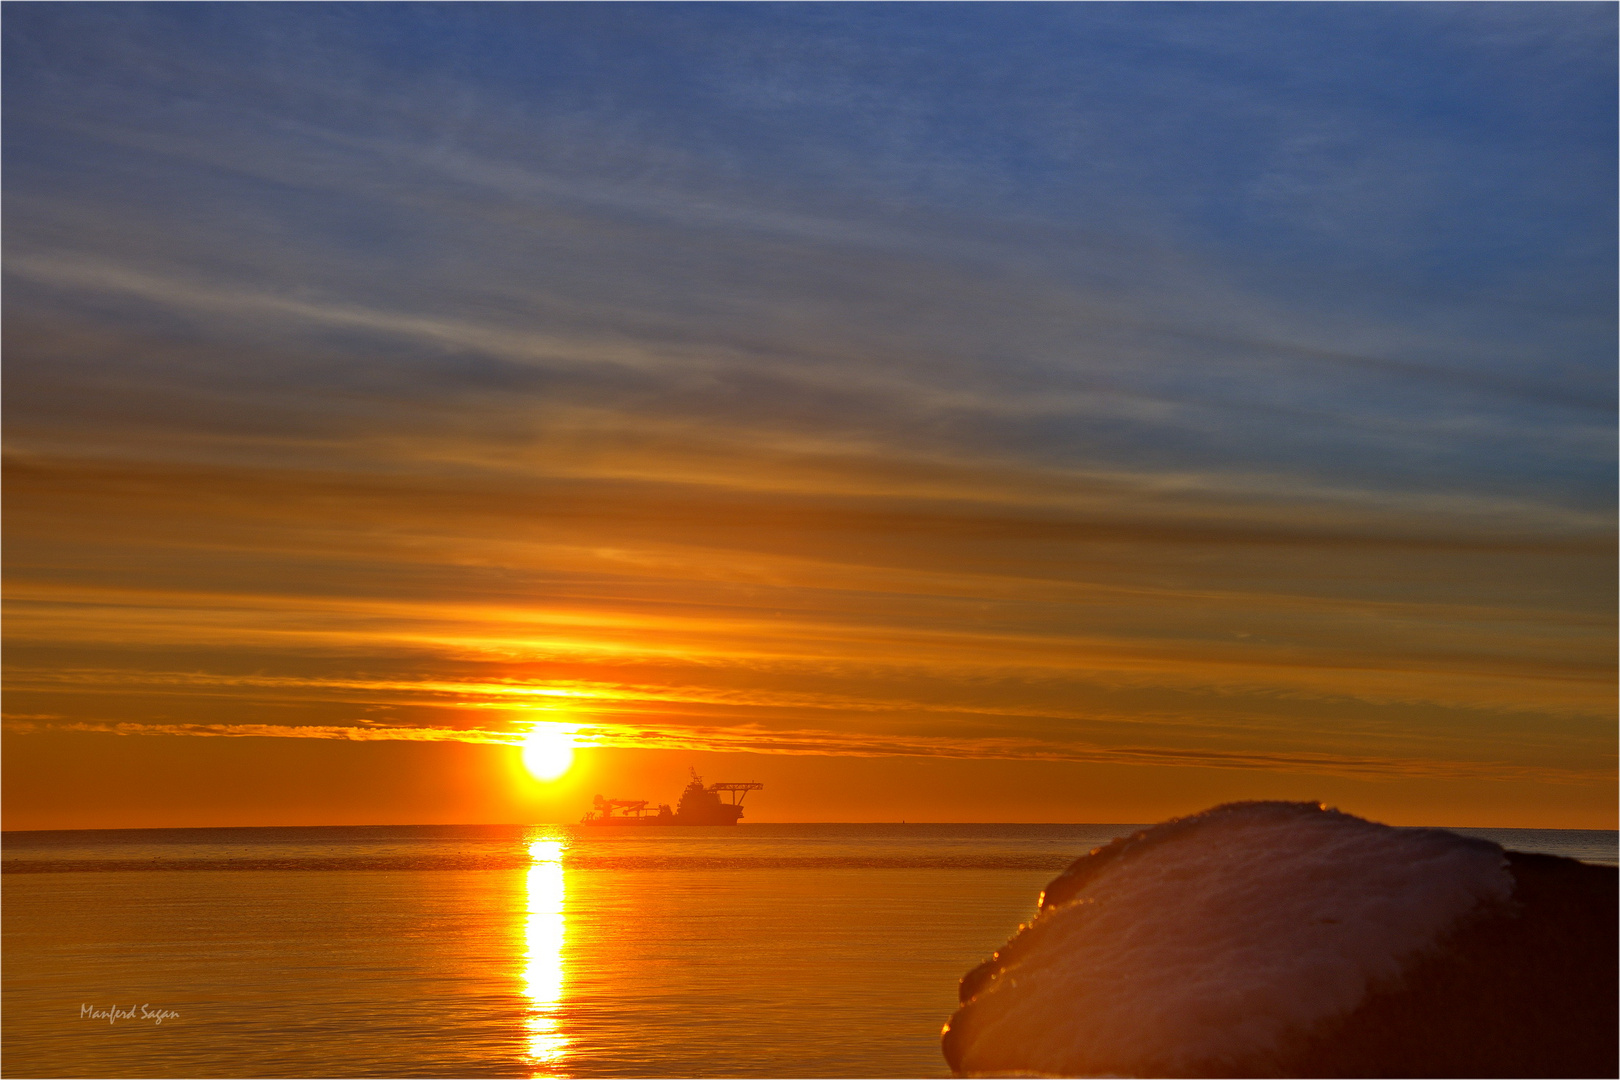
(699, 805)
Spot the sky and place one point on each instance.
(951, 412)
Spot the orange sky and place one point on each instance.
(349, 433)
(1004, 654)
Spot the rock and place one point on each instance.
(1287, 939)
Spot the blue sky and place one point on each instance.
(1358, 209)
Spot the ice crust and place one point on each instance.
(1216, 938)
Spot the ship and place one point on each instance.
(699, 805)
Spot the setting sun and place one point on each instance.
(548, 750)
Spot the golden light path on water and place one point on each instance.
(544, 929)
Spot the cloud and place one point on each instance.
(1090, 380)
(841, 744)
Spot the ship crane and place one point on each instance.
(631, 807)
(737, 791)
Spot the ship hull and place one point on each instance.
(656, 821)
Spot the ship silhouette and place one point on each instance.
(699, 805)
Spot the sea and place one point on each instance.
(520, 951)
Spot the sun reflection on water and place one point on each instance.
(544, 926)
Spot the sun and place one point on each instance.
(548, 750)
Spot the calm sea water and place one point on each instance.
(760, 950)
